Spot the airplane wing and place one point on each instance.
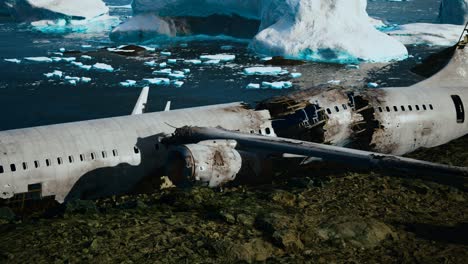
(140, 105)
(350, 157)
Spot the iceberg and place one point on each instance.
(265, 71)
(320, 30)
(13, 60)
(157, 81)
(103, 67)
(219, 57)
(52, 9)
(277, 85)
(128, 83)
(63, 26)
(39, 59)
(427, 34)
(453, 12)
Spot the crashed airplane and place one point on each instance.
(366, 128)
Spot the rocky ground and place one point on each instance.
(340, 218)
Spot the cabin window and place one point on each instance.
(329, 111)
(344, 107)
(459, 108)
(337, 109)
(115, 153)
(395, 108)
(93, 156)
(424, 107)
(431, 107)
(380, 109)
(260, 132)
(403, 108)
(70, 159)
(59, 161)
(25, 166)
(417, 107)
(13, 167)
(1, 169)
(387, 108)
(410, 107)
(268, 131)
(82, 157)
(104, 154)
(47, 162)
(36, 164)
(251, 131)
(136, 150)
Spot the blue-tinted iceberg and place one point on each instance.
(320, 30)
(454, 12)
(427, 34)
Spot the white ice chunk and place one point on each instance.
(194, 62)
(178, 83)
(265, 71)
(85, 79)
(62, 50)
(172, 61)
(54, 74)
(212, 62)
(86, 46)
(72, 82)
(352, 66)
(72, 78)
(162, 64)
(150, 63)
(13, 60)
(176, 76)
(128, 83)
(148, 48)
(163, 72)
(68, 59)
(157, 81)
(372, 85)
(277, 85)
(253, 86)
(166, 53)
(186, 71)
(99, 24)
(86, 57)
(103, 67)
(220, 57)
(178, 72)
(296, 74)
(38, 59)
(141, 27)
(266, 58)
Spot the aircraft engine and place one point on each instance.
(213, 162)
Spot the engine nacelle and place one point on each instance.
(214, 162)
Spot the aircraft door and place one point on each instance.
(459, 108)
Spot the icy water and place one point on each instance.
(28, 98)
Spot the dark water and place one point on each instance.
(28, 98)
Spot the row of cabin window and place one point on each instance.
(71, 159)
(410, 108)
(337, 109)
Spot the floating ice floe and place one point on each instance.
(334, 82)
(103, 67)
(253, 86)
(352, 66)
(157, 81)
(427, 34)
(13, 60)
(72, 82)
(163, 72)
(86, 46)
(296, 74)
(265, 71)
(85, 79)
(150, 63)
(39, 59)
(177, 76)
(86, 57)
(54, 74)
(372, 85)
(186, 71)
(162, 65)
(277, 85)
(128, 83)
(220, 57)
(62, 50)
(166, 53)
(66, 25)
(212, 62)
(194, 62)
(178, 83)
(148, 48)
(266, 58)
(65, 59)
(172, 61)
(81, 65)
